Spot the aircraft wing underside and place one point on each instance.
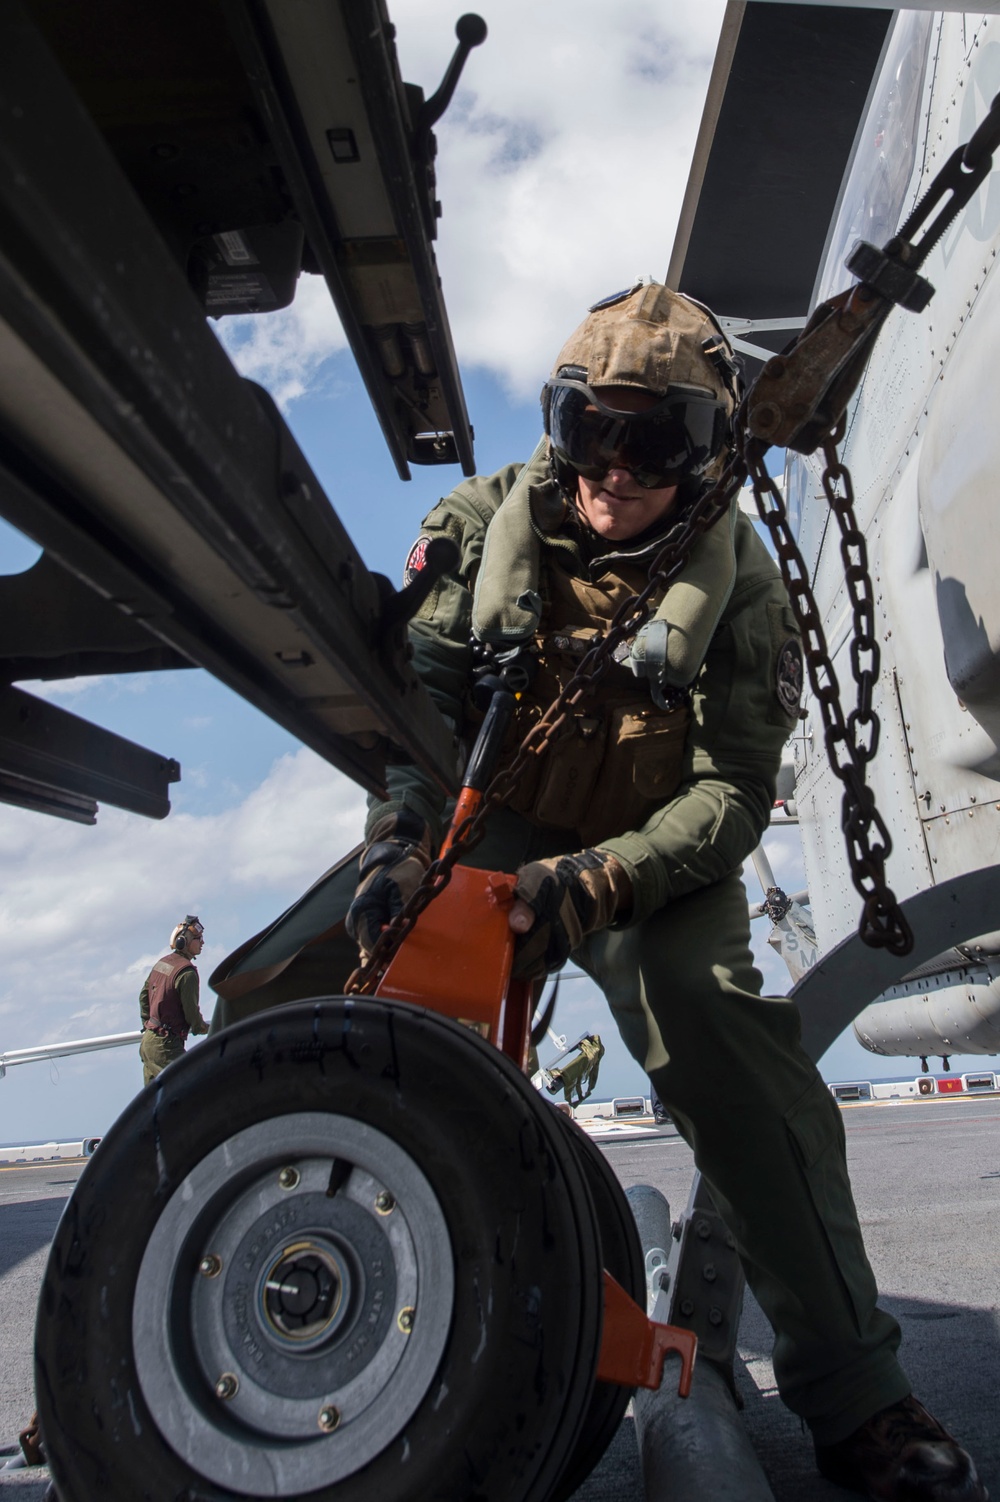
(787, 93)
(157, 164)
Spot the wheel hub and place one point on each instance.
(293, 1304)
(302, 1292)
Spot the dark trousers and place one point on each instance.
(766, 1133)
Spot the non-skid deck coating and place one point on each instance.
(927, 1183)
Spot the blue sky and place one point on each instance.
(545, 163)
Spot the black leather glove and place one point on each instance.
(392, 864)
(571, 896)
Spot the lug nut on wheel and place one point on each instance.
(227, 1386)
(329, 1418)
(210, 1266)
(384, 1202)
(288, 1178)
(405, 1320)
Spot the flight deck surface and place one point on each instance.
(927, 1183)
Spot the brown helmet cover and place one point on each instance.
(652, 338)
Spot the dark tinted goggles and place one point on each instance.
(677, 438)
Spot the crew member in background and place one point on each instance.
(168, 1001)
(628, 835)
(661, 1115)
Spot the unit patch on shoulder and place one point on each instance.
(788, 677)
(415, 559)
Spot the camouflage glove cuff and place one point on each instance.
(391, 866)
(571, 896)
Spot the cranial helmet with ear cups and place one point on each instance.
(190, 927)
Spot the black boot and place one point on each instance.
(903, 1454)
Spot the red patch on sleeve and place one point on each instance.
(415, 560)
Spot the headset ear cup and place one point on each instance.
(179, 938)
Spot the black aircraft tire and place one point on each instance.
(492, 1178)
(621, 1251)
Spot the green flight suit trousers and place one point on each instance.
(765, 1131)
(156, 1053)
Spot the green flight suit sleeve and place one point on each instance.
(733, 753)
(187, 986)
(144, 1003)
(439, 635)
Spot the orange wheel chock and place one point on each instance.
(633, 1348)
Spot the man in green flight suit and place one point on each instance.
(629, 835)
(168, 1002)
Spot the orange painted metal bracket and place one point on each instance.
(633, 1348)
(457, 961)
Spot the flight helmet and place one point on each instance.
(190, 928)
(655, 340)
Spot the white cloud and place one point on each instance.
(93, 907)
(561, 166)
(65, 688)
(783, 847)
(284, 351)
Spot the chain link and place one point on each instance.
(851, 742)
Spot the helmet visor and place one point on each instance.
(662, 446)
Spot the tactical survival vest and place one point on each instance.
(165, 1009)
(620, 756)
